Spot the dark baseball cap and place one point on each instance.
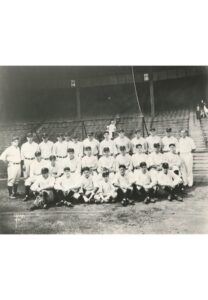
(156, 145)
(106, 149)
(14, 138)
(29, 134)
(122, 148)
(168, 129)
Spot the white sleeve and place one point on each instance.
(4, 155)
(34, 187)
(22, 152)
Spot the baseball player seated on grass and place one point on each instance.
(60, 150)
(155, 160)
(169, 139)
(138, 139)
(12, 157)
(90, 161)
(35, 173)
(123, 181)
(107, 162)
(124, 159)
(173, 159)
(77, 146)
(43, 188)
(107, 143)
(90, 141)
(152, 139)
(73, 162)
(138, 157)
(169, 184)
(145, 184)
(28, 150)
(106, 192)
(46, 147)
(54, 169)
(67, 188)
(89, 186)
(186, 148)
(122, 140)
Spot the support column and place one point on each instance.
(152, 97)
(78, 103)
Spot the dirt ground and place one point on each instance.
(190, 216)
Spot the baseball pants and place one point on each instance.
(187, 168)
(27, 164)
(14, 173)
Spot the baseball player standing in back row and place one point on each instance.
(107, 143)
(186, 148)
(12, 157)
(46, 147)
(28, 154)
(139, 140)
(122, 141)
(153, 139)
(60, 150)
(90, 141)
(77, 146)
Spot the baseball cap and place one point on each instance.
(88, 148)
(137, 130)
(44, 135)
(168, 129)
(70, 150)
(14, 138)
(106, 149)
(66, 169)
(152, 129)
(122, 166)
(29, 134)
(165, 165)
(143, 164)
(138, 145)
(90, 134)
(52, 157)
(171, 145)
(122, 148)
(121, 130)
(156, 145)
(37, 153)
(44, 171)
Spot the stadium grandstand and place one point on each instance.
(79, 100)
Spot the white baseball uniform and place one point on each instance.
(78, 148)
(166, 141)
(46, 149)
(65, 183)
(186, 145)
(35, 171)
(122, 142)
(108, 144)
(28, 155)
(60, 151)
(74, 165)
(94, 144)
(151, 140)
(135, 141)
(137, 158)
(12, 155)
(124, 160)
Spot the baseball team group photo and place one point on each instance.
(112, 149)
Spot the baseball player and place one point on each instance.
(28, 150)
(138, 157)
(155, 160)
(88, 186)
(168, 184)
(107, 143)
(12, 157)
(46, 147)
(54, 169)
(90, 161)
(169, 139)
(60, 150)
(90, 141)
(106, 192)
(173, 159)
(138, 139)
(44, 190)
(77, 146)
(123, 181)
(107, 162)
(145, 184)
(73, 163)
(153, 139)
(186, 148)
(35, 172)
(122, 140)
(124, 159)
(67, 188)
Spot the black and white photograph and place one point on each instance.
(103, 149)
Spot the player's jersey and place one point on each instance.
(169, 179)
(36, 167)
(60, 149)
(65, 183)
(172, 159)
(155, 159)
(90, 162)
(106, 188)
(87, 184)
(78, 148)
(11, 154)
(123, 182)
(166, 141)
(43, 183)
(28, 150)
(137, 159)
(186, 145)
(94, 144)
(135, 141)
(74, 164)
(106, 162)
(107, 144)
(122, 142)
(144, 179)
(151, 140)
(46, 149)
(124, 160)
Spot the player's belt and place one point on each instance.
(14, 163)
(29, 158)
(61, 156)
(46, 158)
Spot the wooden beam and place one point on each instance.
(78, 102)
(152, 97)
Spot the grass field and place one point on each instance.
(190, 216)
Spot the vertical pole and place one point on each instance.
(152, 97)
(78, 103)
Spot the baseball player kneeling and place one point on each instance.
(67, 188)
(43, 188)
(107, 192)
(12, 157)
